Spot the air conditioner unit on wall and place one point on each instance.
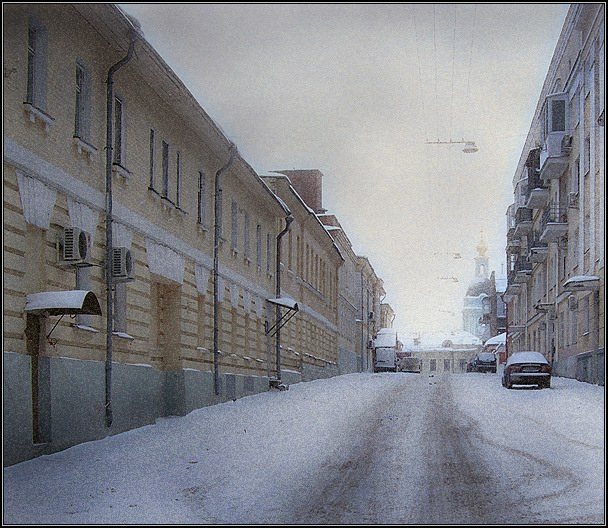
(573, 200)
(74, 247)
(572, 302)
(123, 264)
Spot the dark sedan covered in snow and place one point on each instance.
(527, 368)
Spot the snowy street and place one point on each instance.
(359, 448)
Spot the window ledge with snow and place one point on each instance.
(86, 328)
(84, 146)
(123, 335)
(35, 114)
(119, 170)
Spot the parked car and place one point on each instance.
(484, 362)
(527, 368)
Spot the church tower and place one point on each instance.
(481, 260)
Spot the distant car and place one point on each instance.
(484, 362)
(527, 368)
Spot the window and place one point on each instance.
(268, 253)
(152, 164)
(246, 241)
(178, 177)
(120, 307)
(433, 365)
(234, 212)
(573, 327)
(82, 118)
(165, 169)
(36, 64)
(219, 211)
(586, 316)
(558, 115)
(258, 236)
(119, 131)
(446, 365)
(201, 198)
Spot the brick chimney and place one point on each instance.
(308, 183)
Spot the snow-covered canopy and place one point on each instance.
(500, 339)
(63, 302)
(582, 283)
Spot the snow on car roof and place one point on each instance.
(526, 357)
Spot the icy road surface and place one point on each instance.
(359, 448)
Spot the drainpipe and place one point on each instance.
(216, 247)
(109, 219)
(288, 221)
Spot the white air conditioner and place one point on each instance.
(74, 248)
(123, 264)
(567, 144)
(572, 302)
(573, 200)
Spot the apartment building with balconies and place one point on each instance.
(555, 225)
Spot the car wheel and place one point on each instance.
(546, 385)
(508, 384)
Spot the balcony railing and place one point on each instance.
(554, 223)
(523, 221)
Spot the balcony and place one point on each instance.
(513, 241)
(554, 224)
(554, 155)
(512, 292)
(523, 221)
(538, 251)
(524, 270)
(537, 197)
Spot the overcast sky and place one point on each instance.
(357, 91)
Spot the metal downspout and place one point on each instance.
(216, 246)
(109, 219)
(288, 221)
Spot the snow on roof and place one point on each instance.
(63, 302)
(386, 337)
(497, 340)
(285, 302)
(434, 340)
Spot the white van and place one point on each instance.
(385, 359)
(385, 350)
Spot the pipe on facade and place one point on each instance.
(216, 246)
(288, 221)
(109, 219)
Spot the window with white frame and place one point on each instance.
(586, 315)
(165, 170)
(82, 117)
(178, 178)
(268, 253)
(258, 249)
(119, 131)
(202, 183)
(246, 237)
(120, 307)
(37, 48)
(220, 211)
(152, 160)
(234, 214)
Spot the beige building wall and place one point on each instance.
(163, 319)
(311, 263)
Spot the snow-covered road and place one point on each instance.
(360, 448)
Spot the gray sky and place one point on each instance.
(356, 91)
